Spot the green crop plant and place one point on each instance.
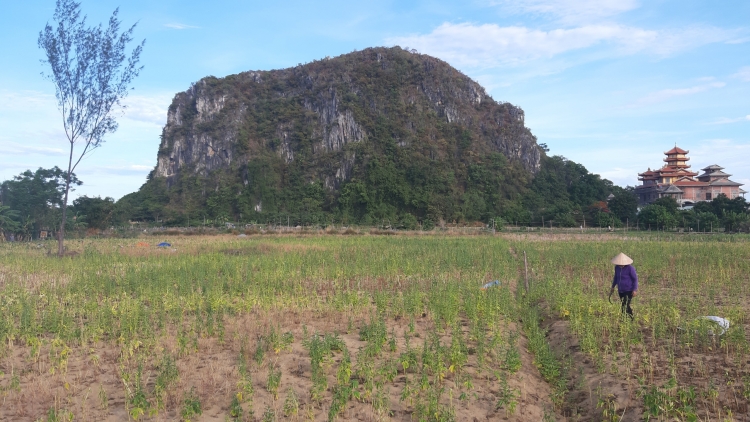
(260, 351)
(381, 401)
(137, 401)
(510, 354)
(191, 406)
(59, 415)
(245, 382)
(277, 341)
(291, 403)
(103, 399)
(507, 398)
(235, 408)
(375, 334)
(166, 378)
(321, 348)
(274, 381)
(268, 415)
(344, 372)
(608, 407)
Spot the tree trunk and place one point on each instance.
(61, 233)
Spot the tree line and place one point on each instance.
(729, 215)
(32, 202)
(563, 194)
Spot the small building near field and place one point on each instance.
(676, 180)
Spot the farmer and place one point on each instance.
(626, 281)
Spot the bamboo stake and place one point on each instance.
(526, 272)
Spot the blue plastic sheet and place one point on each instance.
(164, 245)
(491, 284)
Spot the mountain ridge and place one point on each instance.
(333, 123)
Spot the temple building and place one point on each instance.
(676, 180)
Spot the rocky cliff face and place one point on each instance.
(218, 123)
(376, 134)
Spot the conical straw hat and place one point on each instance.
(622, 259)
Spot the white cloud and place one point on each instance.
(741, 40)
(12, 101)
(666, 94)
(19, 149)
(725, 120)
(674, 41)
(491, 45)
(743, 74)
(147, 108)
(727, 153)
(115, 170)
(569, 11)
(142, 108)
(180, 26)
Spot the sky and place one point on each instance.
(610, 84)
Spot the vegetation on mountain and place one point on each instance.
(377, 137)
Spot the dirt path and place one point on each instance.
(591, 392)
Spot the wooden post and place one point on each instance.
(526, 272)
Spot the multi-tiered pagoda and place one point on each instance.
(676, 180)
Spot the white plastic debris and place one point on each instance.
(721, 322)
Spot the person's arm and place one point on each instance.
(635, 279)
(614, 282)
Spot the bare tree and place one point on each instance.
(92, 73)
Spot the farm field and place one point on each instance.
(373, 327)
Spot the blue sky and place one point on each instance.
(611, 84)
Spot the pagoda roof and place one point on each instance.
(683, 169)
(675, 168)
(676, 150)
(724, 182)
(713, 167)
(717, 173)
(672, 189)
(677, 173)
(689, 183)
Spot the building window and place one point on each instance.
(708, 196)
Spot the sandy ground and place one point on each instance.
(91, 383)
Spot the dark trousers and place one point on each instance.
(625, 298)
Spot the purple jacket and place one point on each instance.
(625, 279)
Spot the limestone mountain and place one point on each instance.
(382, 133)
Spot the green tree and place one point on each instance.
(722, 204)
(36, 197)
(92, 73)
(96, 212)
(657, 216)
(705, 221)
(624, 205)
(703, 206)
(8, 221)
(598, 214)
(669, 203)
(732, 221)
(564, 186)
